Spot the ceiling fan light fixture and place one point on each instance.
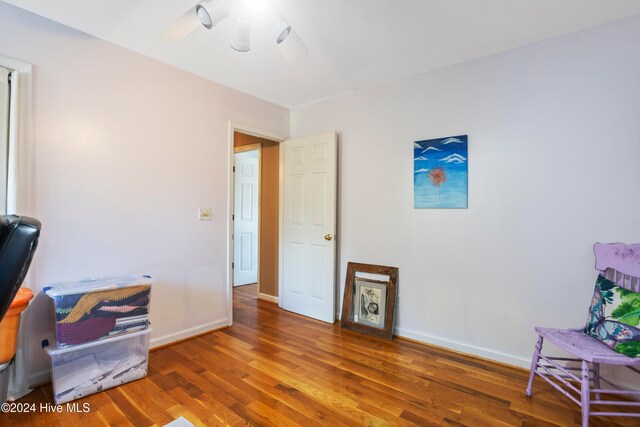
(240, 41)
(263, 13)
(292, 47)
(276, 26)
(283, 34)
(212, 11)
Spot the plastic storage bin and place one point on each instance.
(96, 309)
(89, 368)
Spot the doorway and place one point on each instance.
(297, 243)
(255, 214)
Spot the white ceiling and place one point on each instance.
(353, 44)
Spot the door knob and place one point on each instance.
(328, 237)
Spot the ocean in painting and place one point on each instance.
(440, 173)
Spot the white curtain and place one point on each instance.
(4, 136)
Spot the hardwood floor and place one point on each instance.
(277, 368)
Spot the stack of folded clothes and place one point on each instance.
(99, 309)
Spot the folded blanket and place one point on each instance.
(84, 330)
(90, 300)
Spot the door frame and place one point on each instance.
(261, 133)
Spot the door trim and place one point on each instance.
(246, 148)
(261, 133)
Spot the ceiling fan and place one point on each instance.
(248, 14)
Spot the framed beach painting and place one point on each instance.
(440, 173)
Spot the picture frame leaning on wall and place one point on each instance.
(369, 301)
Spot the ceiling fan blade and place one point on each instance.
(183, 26)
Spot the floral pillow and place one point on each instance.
(614, 317)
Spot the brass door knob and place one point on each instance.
(328, 237)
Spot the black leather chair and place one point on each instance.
(18, 242)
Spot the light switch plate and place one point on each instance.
(204, 214)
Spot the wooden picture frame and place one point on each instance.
(369, 303)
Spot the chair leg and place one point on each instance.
(596, 378)
(585, 394)
(534, 365)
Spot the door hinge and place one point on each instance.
(232, 265)
(233, 217)
(234, 168)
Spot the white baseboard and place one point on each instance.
(40, 377)
(267, 297)
(187, 333)
(486, 353)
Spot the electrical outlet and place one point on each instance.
(204, 214)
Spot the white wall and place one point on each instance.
(125, 150)
(554, 144)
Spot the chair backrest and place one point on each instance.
(619, 263)
(18, 242)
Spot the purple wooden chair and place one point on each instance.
(619, 263)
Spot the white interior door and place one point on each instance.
(309, 226)
(245, 224)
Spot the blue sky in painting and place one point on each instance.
(449, 154)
